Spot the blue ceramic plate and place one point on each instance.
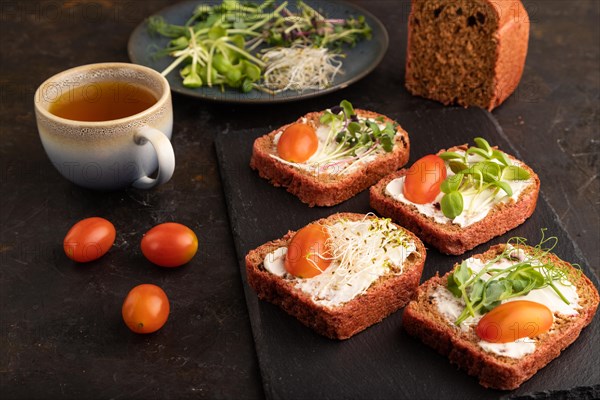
(360, 60)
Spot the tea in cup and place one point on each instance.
(107, 126)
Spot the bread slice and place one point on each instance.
(448, 237)
(468, 52)
(423, 320)
(386, 295)
(331, 187)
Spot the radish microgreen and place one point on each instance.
(352, 138)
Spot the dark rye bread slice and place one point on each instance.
(383, 297)
(331, 188)
(450, 238)
(467, 52)
(422, 320)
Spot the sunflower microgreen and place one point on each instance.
(484, 175)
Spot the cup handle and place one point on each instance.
(164, 153)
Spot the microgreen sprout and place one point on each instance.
(351, 138)
(216, 45)
(299, 68)
(359, 247)
(483, 178)
(360, 251)
(533, 269)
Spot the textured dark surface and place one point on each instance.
(373, 363)
(61, 335)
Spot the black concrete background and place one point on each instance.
(61, 334)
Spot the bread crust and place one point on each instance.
(513, 41)
(512, 38)
(326, 189)
(383, 297)
(449, 238)
(421, 320)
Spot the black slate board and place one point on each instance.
(383, 361)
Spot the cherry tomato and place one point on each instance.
(424, 178)
(169, 244)
(89, 239)
(307, 252)
(145, 309)
(297, 143)
(514, 320)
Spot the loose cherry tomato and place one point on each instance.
(89, 239)
(307, 252)
(145, 309)
(424, 178)
(514, 320)
(297, 143)
(169, 244)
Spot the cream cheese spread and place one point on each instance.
(355, 266)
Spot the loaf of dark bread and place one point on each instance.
(330, 187)
(423, 320)
(466, 52)
(449, 238)
(385, 296)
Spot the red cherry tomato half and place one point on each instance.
(307, 251)
(169, 244)
(89, 239)
(297, 143)
(514, 320)
(145, 309)
(424, 178)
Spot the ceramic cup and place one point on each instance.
(113, 154)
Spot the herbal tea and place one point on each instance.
(102, 101)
